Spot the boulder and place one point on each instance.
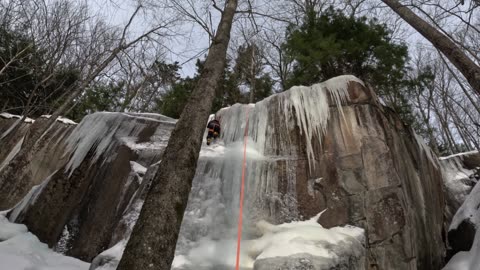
(330, 148)
(49, 157)
(356, 160)
(78, 207)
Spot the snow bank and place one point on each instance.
(285, 240)
(9, 230)
(466, 260)
(21, 250)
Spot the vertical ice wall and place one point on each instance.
(207, 238)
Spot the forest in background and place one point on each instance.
(61, 52)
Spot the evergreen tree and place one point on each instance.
(100, 97)
(173, 102)
(333, 44)
(248, 71)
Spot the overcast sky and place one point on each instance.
(194, 40)
(180, 48)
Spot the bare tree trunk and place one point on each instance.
(153, 240)
(448, 138)
(465, 91)
(457, 57)
(252, 75)
(34, 138)
(426, 122)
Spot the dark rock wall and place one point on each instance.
(368, 170)
(49, 158)
(77, 209)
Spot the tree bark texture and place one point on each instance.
(457, 57)
(153, 240)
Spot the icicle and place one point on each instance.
(102, 132)
(311, 108)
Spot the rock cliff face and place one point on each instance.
(45, 161)
(329, 147)
(77, 208)
(363, 166)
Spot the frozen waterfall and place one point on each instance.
(208, 234)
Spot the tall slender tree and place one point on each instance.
(153, 240)
(445, 45)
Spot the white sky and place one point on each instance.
(179, 48)
(194, 40)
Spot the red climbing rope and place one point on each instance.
(240, 214)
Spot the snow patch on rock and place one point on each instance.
(61, 119)
(10, 116)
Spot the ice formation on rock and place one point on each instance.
(210, 220)
(302, 106)
(98, 131)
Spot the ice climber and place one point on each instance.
(213, 131)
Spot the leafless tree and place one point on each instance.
(96, 48)
(455, 53)
(155, 234)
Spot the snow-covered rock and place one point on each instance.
(83, 202)
(330, 146)
(464, 234)
(459, 179)
(10, 116)
(61, 119)
(21, 250)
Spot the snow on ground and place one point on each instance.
(21, 250)
(284, 240)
